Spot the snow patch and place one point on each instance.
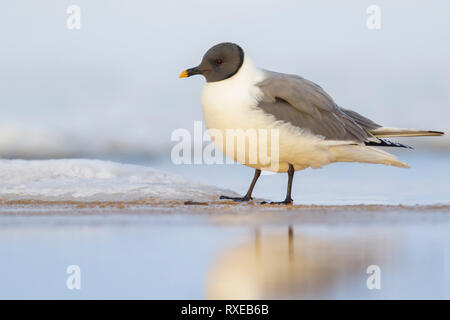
(94, 180)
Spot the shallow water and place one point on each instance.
(164, 249)
(225, 251)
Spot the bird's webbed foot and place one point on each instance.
(236, 199)
(284, 202)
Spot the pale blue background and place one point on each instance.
(111, 90)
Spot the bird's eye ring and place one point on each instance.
(219, 61)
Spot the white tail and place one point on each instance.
(359, 153)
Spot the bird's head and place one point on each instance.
(219, 63)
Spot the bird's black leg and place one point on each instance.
(288, 199)
(248, 196)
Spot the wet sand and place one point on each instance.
(229, 212)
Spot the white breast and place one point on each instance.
(227, 104)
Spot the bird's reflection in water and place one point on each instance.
(296, 266)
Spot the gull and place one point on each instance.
(312, 130)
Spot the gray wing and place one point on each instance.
(304, 104)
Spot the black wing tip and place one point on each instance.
(441, 133)
(387, 143)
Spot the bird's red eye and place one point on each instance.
(219, 61)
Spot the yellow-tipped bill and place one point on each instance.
(184, 74)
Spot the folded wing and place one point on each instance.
(304, 104)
